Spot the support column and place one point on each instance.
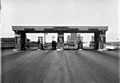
(17, 41)
(96, 39)
(45, 38)
(102, 40)
(23, 40)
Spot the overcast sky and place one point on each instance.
(60, 12)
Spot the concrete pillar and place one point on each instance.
(23, 40)
(104, 37)
(96, 39)
(45, 38)
(102, 40)
(17, 41)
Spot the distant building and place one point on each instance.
(74, 37)
(68, 38)
(6, 40)
(113, 43)
(40, 39)
(7, 43)
(79, 38)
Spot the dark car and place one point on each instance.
(92, 44)
(71, 44)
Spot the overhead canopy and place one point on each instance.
(57, 29)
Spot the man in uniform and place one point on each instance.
(53, 45)
(80, 45)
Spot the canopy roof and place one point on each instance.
(56, 29)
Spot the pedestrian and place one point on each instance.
(53, 45)
(80, 45)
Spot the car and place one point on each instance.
(70, 45)
(110, 47)
(47, 46)
(92, 44)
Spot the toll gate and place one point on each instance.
(99, 33)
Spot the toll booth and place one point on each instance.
(40, 42)
(100, 39)
(60, 40)
(17, 41)
(80, 42)
(20, 40)
(99, 33)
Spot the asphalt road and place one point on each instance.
(66, 66)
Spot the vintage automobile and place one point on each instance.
(70, 45)
(92, 44)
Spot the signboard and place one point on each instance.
(61, 28)
(102, 35)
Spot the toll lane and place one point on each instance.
(66, 66)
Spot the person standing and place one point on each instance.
(53, 45)
(80, 45)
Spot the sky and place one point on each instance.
(59, 12)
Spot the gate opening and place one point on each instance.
(40, 40)
(88, 40)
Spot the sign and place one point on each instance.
(61, 28)
(102, 35)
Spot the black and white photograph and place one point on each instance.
(59, 41)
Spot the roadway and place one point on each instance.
(66, 66)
